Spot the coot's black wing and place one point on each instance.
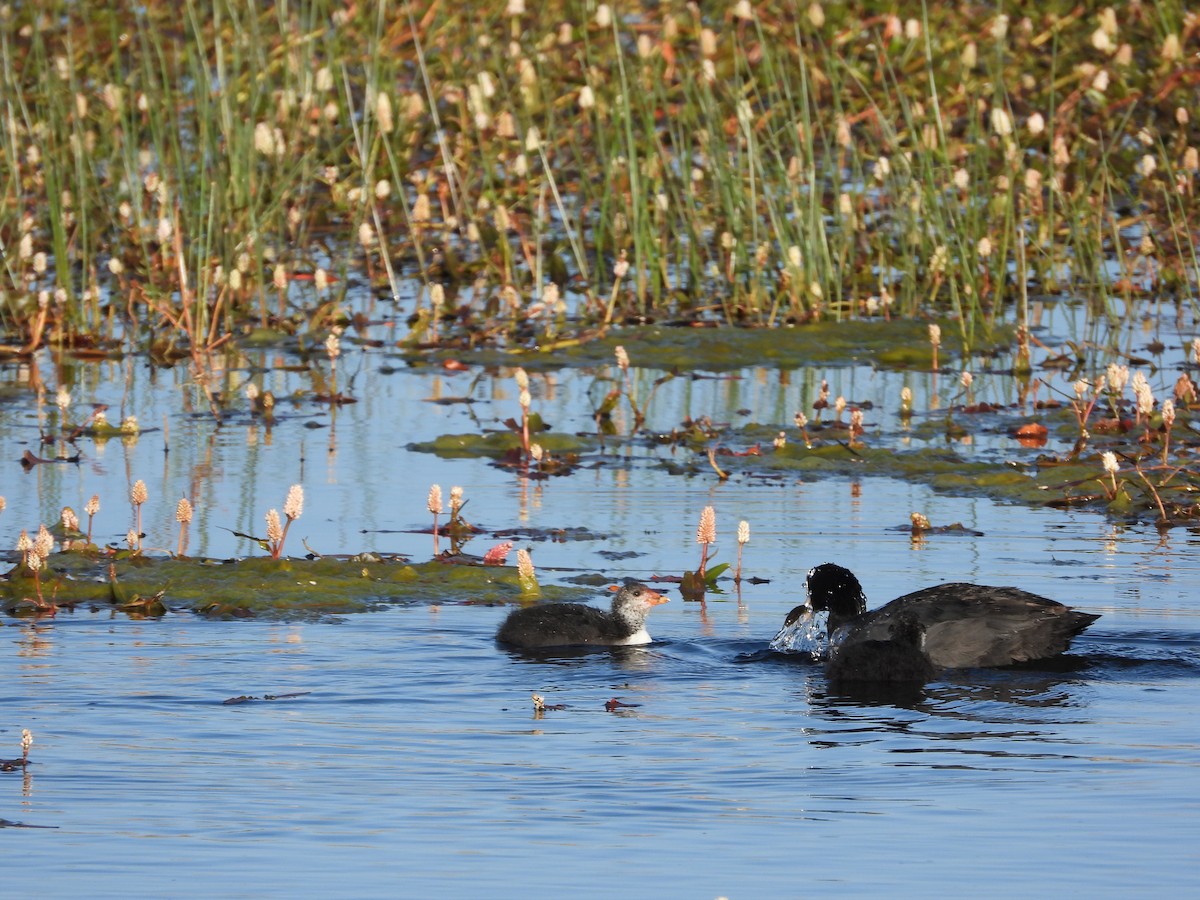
(969, 625)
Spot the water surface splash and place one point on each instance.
(804, 631)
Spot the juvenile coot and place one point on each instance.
(565, 624)
(901, 657)
(965, 625)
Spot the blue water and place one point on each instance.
(412, 762)
(415, 763)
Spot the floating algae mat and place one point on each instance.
(259, 587)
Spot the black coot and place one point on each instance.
(901, 657)
(566, 624)
(965, 625)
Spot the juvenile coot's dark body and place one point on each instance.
(965, 625)
(569, 624)
(901, 657)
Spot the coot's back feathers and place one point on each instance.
(970, 625)
(567, 624)
(556, 625)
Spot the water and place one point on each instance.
(416, 763)
(412, 762)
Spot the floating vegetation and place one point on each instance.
(261, 587)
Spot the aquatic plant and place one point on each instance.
(525, 400)
(138, 495)
(1168, 422)
(293, 506)
(743, 538)
(706, 535)
(497, 554)
(333, 349)
(801, 421)
(433, 503)
(91, 508)
(856, 427)
(35, 553)
(526, 577)
(183, 515)
(731, 165)
(69, 525)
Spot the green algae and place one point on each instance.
(894, 343)
(501, 444)
(260, 586)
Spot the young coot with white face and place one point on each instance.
(567, 624)
(965, 625)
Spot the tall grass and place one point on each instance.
(184, 168)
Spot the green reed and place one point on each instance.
(181, 168)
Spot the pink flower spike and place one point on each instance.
(498, 554)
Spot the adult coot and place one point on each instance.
(965, 625)
(900, 658)
(565, 624)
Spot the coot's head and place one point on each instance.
(635, 598)
(834, 588)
